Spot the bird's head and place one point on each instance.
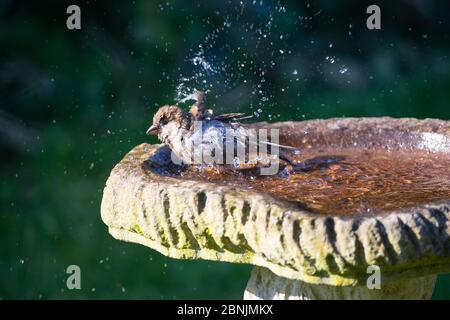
(169, 118)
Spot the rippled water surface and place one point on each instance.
(358, 182)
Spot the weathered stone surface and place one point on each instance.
(265, 285)
(199, 220)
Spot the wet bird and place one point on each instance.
(198, 134)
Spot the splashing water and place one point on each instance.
(245, 51)
(188, 97)
(199, 60)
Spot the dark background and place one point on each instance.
(72, 103)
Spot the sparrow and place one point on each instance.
(198, 134)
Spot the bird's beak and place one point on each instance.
(153, 130)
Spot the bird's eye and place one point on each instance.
(163, 122)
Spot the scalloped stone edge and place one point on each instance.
(199, 220)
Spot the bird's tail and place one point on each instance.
(316, 163)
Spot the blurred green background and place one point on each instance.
(72, 103)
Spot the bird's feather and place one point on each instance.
(230, 117)
(280, 145)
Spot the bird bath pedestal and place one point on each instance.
(318, 234)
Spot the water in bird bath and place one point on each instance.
(240, 69)
(361, 182)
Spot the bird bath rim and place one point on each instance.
(405, 134)
(200, 220)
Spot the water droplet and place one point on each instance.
(196, 61)
(236, 162)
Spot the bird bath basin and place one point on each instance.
(314, 234)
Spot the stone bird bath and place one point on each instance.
(311, 235)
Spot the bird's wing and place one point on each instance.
(252, 139)
(282, 146)
(231, 117)
(284, 152)
(250, 133)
